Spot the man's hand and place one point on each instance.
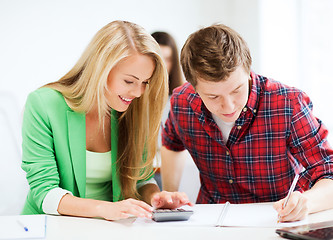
(296, 208)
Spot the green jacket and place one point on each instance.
(54, 148)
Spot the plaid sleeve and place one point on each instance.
(171, 138)
(308, 143)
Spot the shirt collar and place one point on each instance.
(253, 100)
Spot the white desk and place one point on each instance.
(61, 227)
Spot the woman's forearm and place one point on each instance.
(81, 207)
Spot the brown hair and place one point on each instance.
(175, 76)
(85, 85)
(212, 53)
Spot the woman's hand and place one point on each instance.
(296, 208)
(170, 200)
(124, 209)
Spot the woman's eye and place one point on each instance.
(146, 83)
(128, 82)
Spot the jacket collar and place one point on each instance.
(77, 144)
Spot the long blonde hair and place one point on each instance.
(85, 85)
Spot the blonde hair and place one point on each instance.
(85, 85)
(212, 53)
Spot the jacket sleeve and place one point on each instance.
(38, 157)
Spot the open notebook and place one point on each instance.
(235, 215)
(22, 227)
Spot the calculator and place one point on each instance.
(179, 214)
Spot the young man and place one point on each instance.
(247, 134)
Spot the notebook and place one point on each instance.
(234, 215)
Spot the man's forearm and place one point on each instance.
(147, 191)
(171, 168)
(320, 196)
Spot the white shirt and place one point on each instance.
(225, 127)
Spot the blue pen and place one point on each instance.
(22, 225)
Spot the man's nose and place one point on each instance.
(227, 105)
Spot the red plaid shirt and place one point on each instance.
(257, 164)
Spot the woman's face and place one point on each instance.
(167, 56)
(128, 80)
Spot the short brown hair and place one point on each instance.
(212, 53)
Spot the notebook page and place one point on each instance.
(255, 215)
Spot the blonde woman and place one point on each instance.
(89, 139)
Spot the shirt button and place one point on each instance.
(254, 110)
(231, 181)
(245, 109)
(227, 152)
(239, 127)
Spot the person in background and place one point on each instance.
(248, 135)
(87, 145)
(170, 55)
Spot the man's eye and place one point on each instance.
(213, 97)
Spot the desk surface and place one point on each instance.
(62, 227)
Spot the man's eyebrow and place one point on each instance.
(238, 87)
(212, 94)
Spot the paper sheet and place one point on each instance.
(10, 227)
(238, 215)
(255, 215)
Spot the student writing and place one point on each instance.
(245, 132)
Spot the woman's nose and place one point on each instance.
(137, 91)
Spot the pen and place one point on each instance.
(223, 214)
(22, 225)
(292, 188)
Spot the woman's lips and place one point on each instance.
(126, 101)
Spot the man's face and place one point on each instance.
(226, 99)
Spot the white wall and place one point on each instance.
(296, 49)
(41, 39)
